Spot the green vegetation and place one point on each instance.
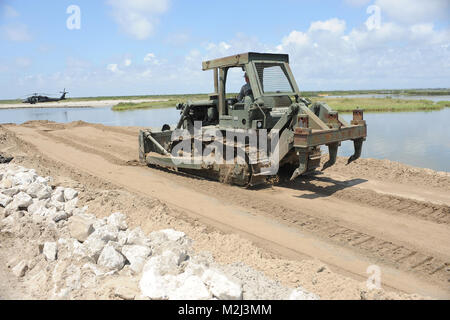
(444, 104)
(124, 106)
(166, 101)
(339, 104)
(10, 101)
(181, 97)
(381, 104)
(405, 92)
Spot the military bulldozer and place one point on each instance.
(251, 141)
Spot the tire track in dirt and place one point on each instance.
(105, 155)
(324, 186)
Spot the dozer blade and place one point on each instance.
(332, 150)
(358, 147)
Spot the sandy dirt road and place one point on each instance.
(369, 213)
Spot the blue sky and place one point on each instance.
(139, 47)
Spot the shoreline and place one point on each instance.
(337, 104)
(76, 104)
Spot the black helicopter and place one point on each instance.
(36, 98)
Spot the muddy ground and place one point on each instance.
(372, 212)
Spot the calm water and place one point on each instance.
(420, 139)
(395, 96)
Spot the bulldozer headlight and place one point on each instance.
(259, 124)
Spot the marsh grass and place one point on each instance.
(381, 104)
(387, 104)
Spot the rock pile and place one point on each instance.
(60, 251)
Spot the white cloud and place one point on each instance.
(10, 12)
(391, 56)
(151, 58)
(295, 38)
(138, 18)
(332, 25)
(415, 11)
(127, 62)
(16, 32)
(23, 62)
(113, 67)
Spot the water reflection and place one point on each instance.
(420, 139)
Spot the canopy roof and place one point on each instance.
(243, 58)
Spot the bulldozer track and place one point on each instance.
(305, 205)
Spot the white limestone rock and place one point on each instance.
(93, 247)
(22, 200)
(6, 184)
(20, 269)
(34, 188)
(118, 220)
(12, 219)
(301, 294)
(169, 239)
(110, 258)
(44, 181)
(122, 237)
(70, 206)
(59, 215)
(74, 247)
(190, 288)
(23, 179)
(166, 263)
(59, 206)
(80, 227)
(58, 194)
(157, 287)
(44, 193)
(136, 255)
(220, 286)
(5, 200)
(80, 211)
(50, 250)
(38, 207)
(106, 233)
(174, 287)
(137, 236)
(70, 194)
(11, 192)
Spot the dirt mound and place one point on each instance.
(386, 170)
